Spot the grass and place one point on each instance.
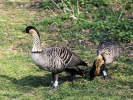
(20, 79)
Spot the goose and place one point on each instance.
(52, 59)
(108, 51)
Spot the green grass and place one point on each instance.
(20, 79)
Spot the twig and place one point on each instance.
(71, 6)
(120, 16)
(84, 20)
(68, 9)
(54, 23)
(57, 5)
(65, 5)
(78, 6)
(50, 9)
(73, 17)
(17, 23)
(2, 20)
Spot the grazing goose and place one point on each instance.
(52, 59)
(108, 51)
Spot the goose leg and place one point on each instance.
(52, 79)
(104, 73)
(54, 83)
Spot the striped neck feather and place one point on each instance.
(36, 43)
(98, 63)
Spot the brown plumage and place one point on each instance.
(98, 63)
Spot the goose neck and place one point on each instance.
(36, 43)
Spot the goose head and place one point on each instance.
(31, 30)
(98, 63)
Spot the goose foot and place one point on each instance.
(54, 83)
(107, 78)
(51, 90)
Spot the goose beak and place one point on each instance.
(24, 31)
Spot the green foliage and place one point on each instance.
(45, 4)
(101, 19)
(52, 20)
(49, 3)
(120, 29)
(108, 28)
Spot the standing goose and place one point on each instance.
(108, 51)
(52, 59)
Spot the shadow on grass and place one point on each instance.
(35, 81)
(32, 81)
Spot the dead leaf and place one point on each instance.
(95, 8)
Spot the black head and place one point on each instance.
(98, 63)
(91, 74)
(31, 30)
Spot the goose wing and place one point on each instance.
(69, 58)
(108, 45)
